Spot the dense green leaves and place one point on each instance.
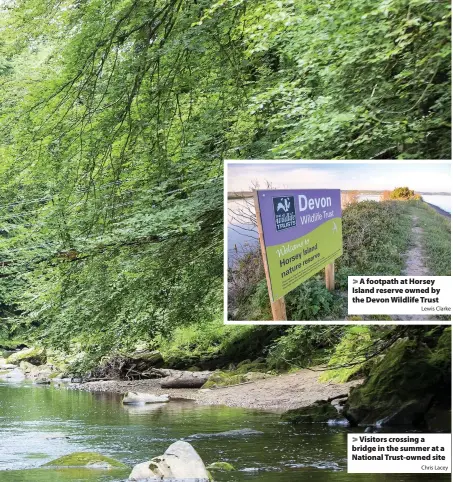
(112, 175)
(115, 117)
(360, 79)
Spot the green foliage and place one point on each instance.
(244, 280)
(303, 346)
(115, 118)
(10, 343)
(375, 237)
(311, 301)
(350, 355)
(256, 366)
(255, 306)
(199, 342)
(80, 362)
(215, 344)
(404, 193)
(441, 354)
(111, 204)
(355, 79)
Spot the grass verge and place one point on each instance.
(436, 237)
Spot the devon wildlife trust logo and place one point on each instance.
(285, 212)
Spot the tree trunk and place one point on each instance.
(184, 379)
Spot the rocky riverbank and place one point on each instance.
(276, 393)
(408, 387)
(29, 363)
(245, 386)
(407, 384)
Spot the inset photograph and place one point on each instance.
(297, 230)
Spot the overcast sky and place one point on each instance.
(428, 176)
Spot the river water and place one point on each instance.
(41, 423)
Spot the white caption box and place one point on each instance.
(399, 295)
(398, 453)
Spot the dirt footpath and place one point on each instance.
(276, 394)
(415, 259)
(415, 266)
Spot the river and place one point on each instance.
(41, 423)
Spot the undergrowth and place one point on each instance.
(214, 345)
(304, 346)
(375, 237)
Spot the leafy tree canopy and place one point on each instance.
(115, 117)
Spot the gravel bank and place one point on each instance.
(276, 394)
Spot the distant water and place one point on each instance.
(369, 197)
(242, 234)
(440, 200)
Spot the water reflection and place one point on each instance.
(38, 424)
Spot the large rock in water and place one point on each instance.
(410, 386)
(89, 460)
(321, 411)
(180, 461)
(15, 375)
(132, 398)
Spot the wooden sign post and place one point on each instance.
(330, 276)
(278, 307)
(300, 233)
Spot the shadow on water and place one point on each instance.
(39, 424)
